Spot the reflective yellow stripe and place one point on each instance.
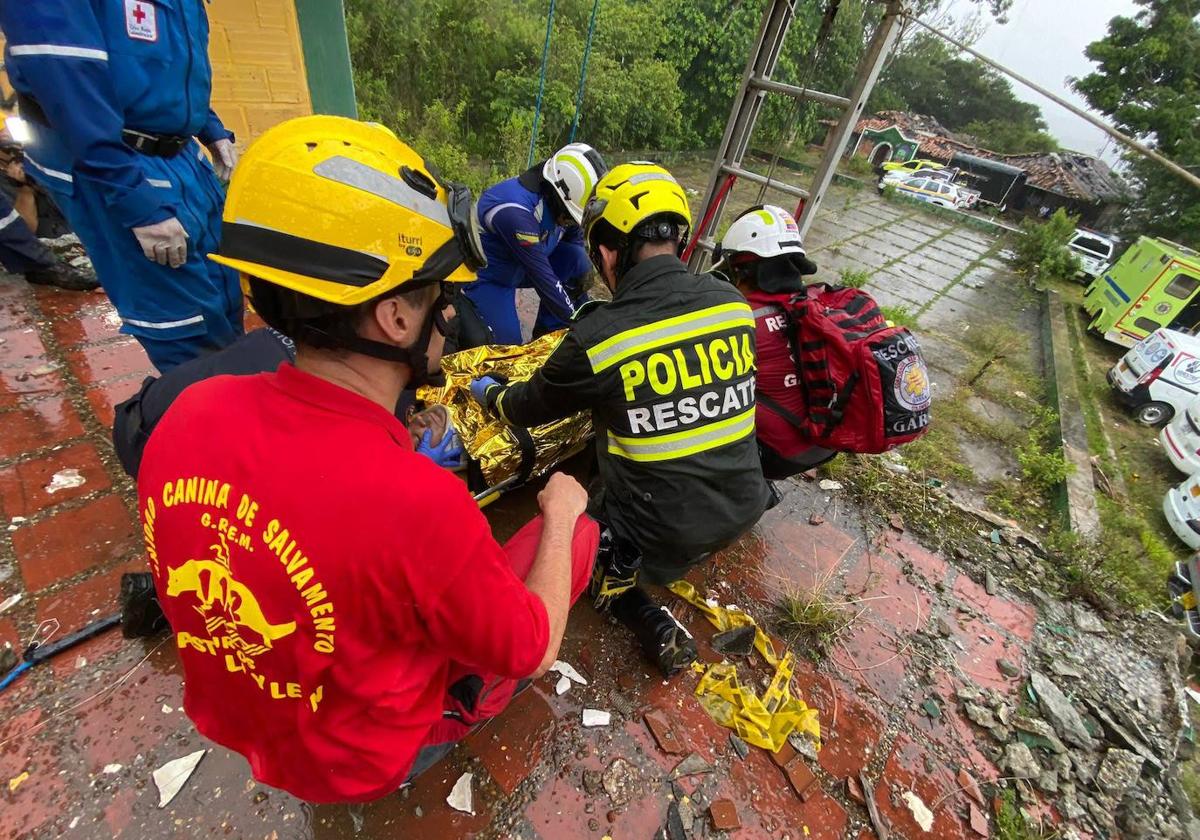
(687, 442)
(640, 339)
(583, 176)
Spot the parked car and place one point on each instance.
(1181, 507)
(969, 196)
(1185, 597)
(911, 166)
(1155, 283)
(1180, 439)
(1094, 250)
(927, 189)
(1158, 377)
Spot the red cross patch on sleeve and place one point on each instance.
(141, 22)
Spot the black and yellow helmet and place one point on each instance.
(342, 211)
(635, 201)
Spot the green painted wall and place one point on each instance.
(327, 56)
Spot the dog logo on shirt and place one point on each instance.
(226, 604)
(141, 20)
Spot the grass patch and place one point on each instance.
(1012, 824)
(811, 620)
(901, 316)
(854, 278)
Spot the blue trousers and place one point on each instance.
(496, 297)
(175, 313)
(20, 250)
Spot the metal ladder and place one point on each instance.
(756, 84)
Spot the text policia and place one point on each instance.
(687, 369)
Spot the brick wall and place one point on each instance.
(258, 65)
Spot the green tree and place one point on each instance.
(929, 77)
(1147, 79)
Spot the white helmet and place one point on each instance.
(573, 172)
(765, 231)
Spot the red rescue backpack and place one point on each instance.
(865, 385)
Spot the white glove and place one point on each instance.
(225, 156)
(163, 242)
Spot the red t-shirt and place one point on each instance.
(320, 577)
(776, 376)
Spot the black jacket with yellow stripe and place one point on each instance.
(667, 370)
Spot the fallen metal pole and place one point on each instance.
(1137, 146)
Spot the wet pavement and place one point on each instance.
(80, 737)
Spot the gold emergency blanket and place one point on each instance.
(488, 440)
(764, 722)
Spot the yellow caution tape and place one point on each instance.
(764, 722)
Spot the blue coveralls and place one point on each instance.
(20, 251)
(526, 248)
(96, 67)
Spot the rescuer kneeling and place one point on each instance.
(342, 612)
(667, 371)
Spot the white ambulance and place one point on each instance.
(1159, 376)
(1180, 439)
(1181, 507)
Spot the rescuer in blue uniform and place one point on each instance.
(116, 93)
(531, 237)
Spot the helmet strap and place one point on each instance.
(416, 356)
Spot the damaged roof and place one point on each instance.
(1072, 174)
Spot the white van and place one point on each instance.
(1094, 250)
(1158, 377)
(1180, 439)
(1181, 507)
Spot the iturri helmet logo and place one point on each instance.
(912, 384)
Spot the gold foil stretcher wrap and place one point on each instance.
(486, 438)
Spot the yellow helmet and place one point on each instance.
(630, 194)
(343, 211)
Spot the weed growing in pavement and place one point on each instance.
(811, 620)
(858, 166)
(1041, 456)
(889, 191)
(854, 278)
(1012, 824)
(901, 316)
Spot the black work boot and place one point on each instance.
(64, 276)
(615, 571)
(666, 642)
(141, 614)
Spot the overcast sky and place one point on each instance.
(1044, 40)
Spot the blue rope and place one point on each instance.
(537, 109)
(587, 51)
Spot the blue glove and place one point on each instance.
(447, 454)
(479, 388)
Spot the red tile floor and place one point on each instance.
(79, 738)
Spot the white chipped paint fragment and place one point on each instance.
(596, 717)
(922, 815)
(830, 484)
(166, 710)
(17, 520)
(567, 671)
(172, 776)
(80, 663)
(65, 480)
(562, 686)
(74, 822)
(10, 602)
(110, 769)
(460, 796)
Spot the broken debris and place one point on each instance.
(172, 776)
(1057, 709)
(920, 811)
(738, 641)
(693, 765)
(562, 686)
(724, 815)
(596, 717)
(460, 798)
(830, 484)
(564, 668)
(67, 479)
(660, 728)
